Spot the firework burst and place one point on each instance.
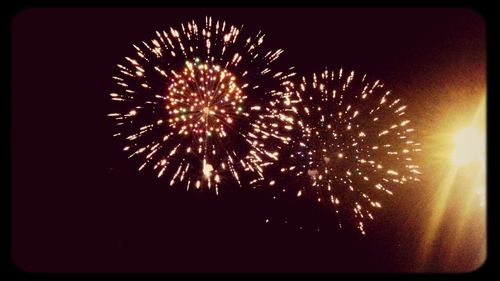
(201, 105)
(355, 144)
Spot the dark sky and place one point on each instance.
(79, 205)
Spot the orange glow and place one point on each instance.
(457, 221)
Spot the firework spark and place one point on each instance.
(354, 146)
(201, 105)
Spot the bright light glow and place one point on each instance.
(207, 170)
(459, 200)
(470, 145)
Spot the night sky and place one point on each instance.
(78, 203)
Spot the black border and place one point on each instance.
(489, 270)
